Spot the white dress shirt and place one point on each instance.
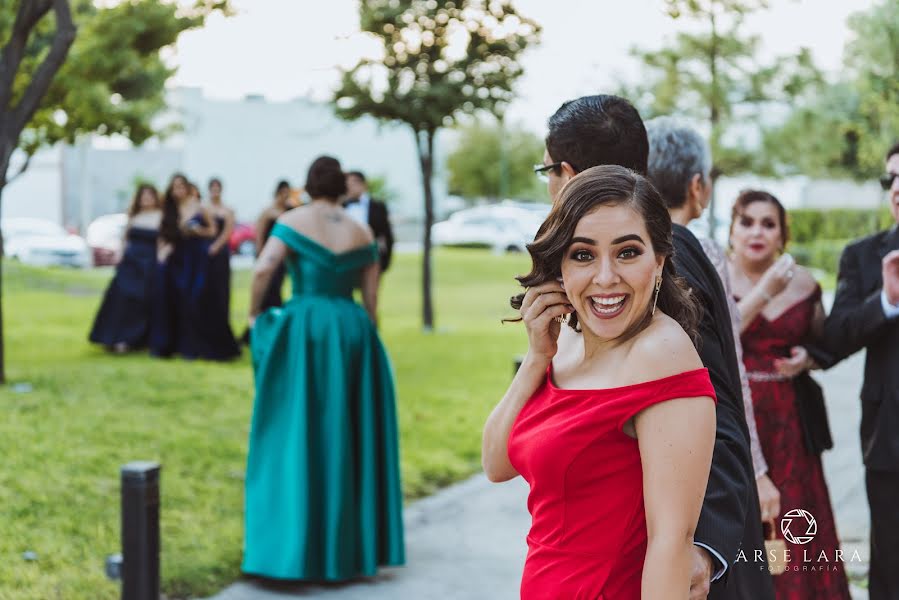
(890, 310)
(359, 210)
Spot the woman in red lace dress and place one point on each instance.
(780, 306)
(615, 442)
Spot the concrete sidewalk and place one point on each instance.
(468, 541)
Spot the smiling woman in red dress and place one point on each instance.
(615, 443)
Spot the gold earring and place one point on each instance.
(658, 287)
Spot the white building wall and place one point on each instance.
(37, 192)
(251, 144)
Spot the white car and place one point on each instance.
(105, 236)
(500, 227)
(43, 243)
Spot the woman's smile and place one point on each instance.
(608, 306)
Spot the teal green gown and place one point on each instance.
(323, 496)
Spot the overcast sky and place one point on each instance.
(288, 48)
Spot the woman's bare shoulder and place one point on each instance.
(806, 281)
(662, 349)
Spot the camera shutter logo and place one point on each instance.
(798, 526)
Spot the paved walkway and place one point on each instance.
(467, 542)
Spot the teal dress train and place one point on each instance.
(323, 495)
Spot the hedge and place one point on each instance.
(810, 225)
(817, 237)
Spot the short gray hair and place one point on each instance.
(676, 153)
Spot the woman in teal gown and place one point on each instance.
(323, 495)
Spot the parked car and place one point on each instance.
(500, 227)
(105, 236)
(243, 239)
(43, 243)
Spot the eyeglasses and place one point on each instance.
(542, 171)
(886, 181)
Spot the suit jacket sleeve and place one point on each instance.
(383, 232)
(722, 521)
(855, 320)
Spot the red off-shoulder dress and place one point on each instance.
(588, 531)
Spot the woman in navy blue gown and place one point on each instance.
(220, 338)
(123, 321)
(181, 322)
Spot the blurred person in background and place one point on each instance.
(680, 162)
(123, 320)
(865, 314)
(219, 335)
(181, 322)
(362, 207)
(282, 201)
(323, 495)
(782, 314)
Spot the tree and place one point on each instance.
(380, 188)
(68, 68)
(713, 76)
(495, 162)
(843, 128)
(442, 59)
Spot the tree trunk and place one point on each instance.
(424, 143)
(4, 165)
(714, 118)
(13, 119)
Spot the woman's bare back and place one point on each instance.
(328, 225)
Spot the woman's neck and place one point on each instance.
(323, 200)
(594, 347)
(682, 215)
(753, 269)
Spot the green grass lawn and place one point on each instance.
(88, 412)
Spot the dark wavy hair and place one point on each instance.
(611, 185)
(135, 208)
(747, 197)
(170, 227)
(325, 178)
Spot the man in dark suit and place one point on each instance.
(365, 209)
(596, 130)
(865, 314)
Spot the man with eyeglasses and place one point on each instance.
(608, 130)
(865, 314)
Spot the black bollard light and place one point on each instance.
(140, 531)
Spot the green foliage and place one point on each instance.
(442, 58)
(713, 75)
(494, 162)
(90, 412)
(811, 225)
(113, 81)
(823, 255)
(818, 237)
(379, 188)
(844, 128)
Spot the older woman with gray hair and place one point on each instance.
(679, 167)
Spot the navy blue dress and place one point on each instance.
(188, 316)
(124, 315)
(219, 338)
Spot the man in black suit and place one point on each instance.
(865, 314)
(365, 209)
(596, 130)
